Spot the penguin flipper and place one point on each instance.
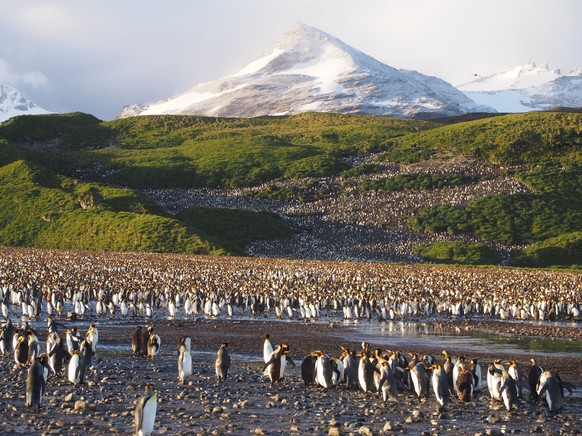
(290, 361)
(569, 386)
(267, 364)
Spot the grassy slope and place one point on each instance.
(186, 151)
(536, 138)
(41, 209)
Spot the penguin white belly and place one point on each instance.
(416, 383)
(187, 364)
(283, 367)
(506, 398)
(73, 369)
(335, 378)
(362, 376)
(479, 376)
(494, 385)
(437, 389)
(320, 373)
(148, 417)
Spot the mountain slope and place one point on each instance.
(525, 88)
(308, 70)
(14, 103)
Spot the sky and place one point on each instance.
(97, 57)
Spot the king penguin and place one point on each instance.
(350, 368)
(308, 368)
(154, 343)
(419, 378)
(36, 382)
(517, 375)
(275, 362)
(552, 387)
(145, 412)
(323, 370)
(366, 371)
(533, 378)
(76, 370)
(267, 350)
(475, 369)
(92, 337)
(184, 359)
(387, 384)
(56, 355)
(440, 384)
(222, 362)
(21, 352)
(508, 391)
(494, 382)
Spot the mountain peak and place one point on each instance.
(520, 77)
(14, 103)
(526, 87)
(308, 70)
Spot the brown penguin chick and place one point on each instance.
(464, 384)
(136, 341)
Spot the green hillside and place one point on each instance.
(42, 209)
(189, 151)
(44, 158)
(533, 139)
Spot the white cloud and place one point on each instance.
(10, 76)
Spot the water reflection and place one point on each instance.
(396, 335)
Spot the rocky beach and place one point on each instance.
(246, 403)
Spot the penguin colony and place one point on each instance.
(391, 373)
(39, 283)
(192, 288)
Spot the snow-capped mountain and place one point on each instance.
(525, 88)
(308, 70)
(13, 103)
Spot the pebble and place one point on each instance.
(365, 430)
(80, 405)
(334, 431)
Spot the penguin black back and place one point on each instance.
(308, 369)
(36, 382)
(222, 362)
(136, 341)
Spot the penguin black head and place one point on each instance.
(225, 344)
